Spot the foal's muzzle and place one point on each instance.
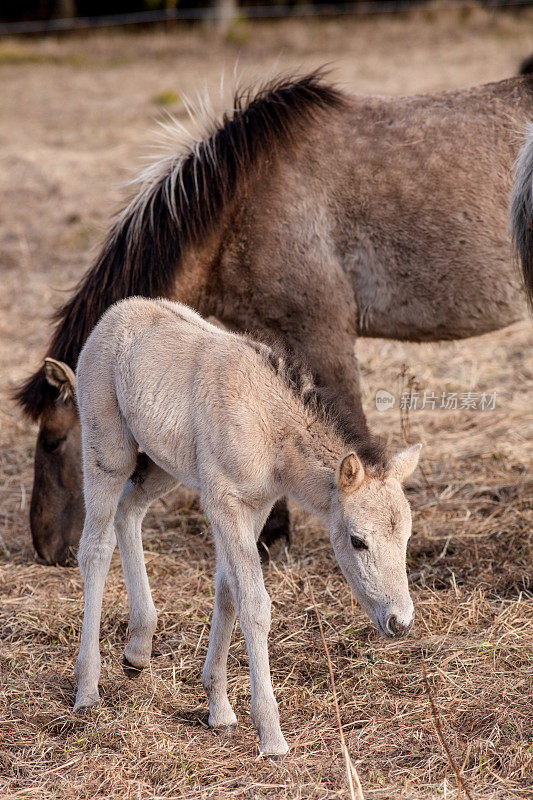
(394, 628)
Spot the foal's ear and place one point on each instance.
(405, 463)
(60, 375)
(350, 473)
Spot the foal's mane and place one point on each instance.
(180, 202)
(324, 402)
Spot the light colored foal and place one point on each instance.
(225, 416)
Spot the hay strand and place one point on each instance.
(438, 727)
(351, 773)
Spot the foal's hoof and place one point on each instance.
(275, 752)
(130, 670)
(86, 709)
(226, 730)
(277, 757)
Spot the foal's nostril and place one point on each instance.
(390, 624)
(394, 626)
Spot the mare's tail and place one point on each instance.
(522, 213)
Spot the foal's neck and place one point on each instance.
(310, 452)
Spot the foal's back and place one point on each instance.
(153, 373)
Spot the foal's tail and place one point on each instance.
(522, 213)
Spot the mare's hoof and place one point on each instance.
(130, 670)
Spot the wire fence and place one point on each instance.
(363, 8)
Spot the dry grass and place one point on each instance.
(75, 115)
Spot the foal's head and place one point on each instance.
(369, 527)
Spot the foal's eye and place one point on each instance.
(357, 543)
(51, 445)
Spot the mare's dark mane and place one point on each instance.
(178, 208)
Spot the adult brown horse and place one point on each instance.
(311, 216)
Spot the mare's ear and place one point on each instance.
(405, 463)
(60, 375)
(350, 473)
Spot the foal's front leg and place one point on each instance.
(237, 557)
(215, 672)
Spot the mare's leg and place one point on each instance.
(102, 488)
(238, 559)
(323, 334)
(328, 348)
(214, 675)
(333, 363)
(147, 484)
(277, 526)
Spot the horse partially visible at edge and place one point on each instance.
(314, 217)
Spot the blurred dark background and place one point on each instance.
(56, 9)
(16, 10)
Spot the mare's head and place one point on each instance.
(370, 525)
(57, 510)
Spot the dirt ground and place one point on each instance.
(77, 114)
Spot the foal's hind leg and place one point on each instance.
(145, 486)
(102, 488)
